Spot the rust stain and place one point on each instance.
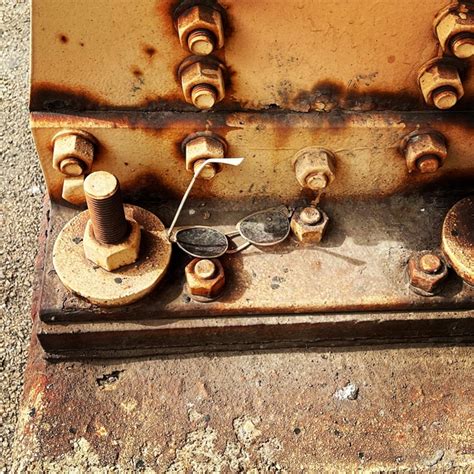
(149, 51)
(63, 38)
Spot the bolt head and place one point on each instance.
(205, 269)
(427, 164)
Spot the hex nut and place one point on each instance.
(424, 151)
(202, 147)
(308, 232)
(203, 82)
(113, 256)
(454, 29)
(441, 84)
(73, 190)
(204, 287)
(426, 278)
(200, 29)
(73, 153)
(314, 168)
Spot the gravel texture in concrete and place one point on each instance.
(21, 194)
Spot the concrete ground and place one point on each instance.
(373, 409)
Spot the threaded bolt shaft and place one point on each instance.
(105, 205)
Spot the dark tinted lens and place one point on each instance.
(203, 242)
(265, 227)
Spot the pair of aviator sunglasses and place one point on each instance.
(262, 228)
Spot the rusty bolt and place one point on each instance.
(426, 272)
(202, 81)
(73, 152)
(205, 279)
(110, 240)
(200, 147)
(440, 84)
(314, 168)
(200, 29)
(309, 224)
(424, 151)
(454, 28)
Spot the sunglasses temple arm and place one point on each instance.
(224, 161)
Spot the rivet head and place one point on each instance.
(205, 269)
(428, 164)
(444, 99)
(310, 215)
(203, 96)
(430, 263)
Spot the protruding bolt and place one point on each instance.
(310, 215)
(205, 269)
(462, 46)
(208, 172)
(317, 181)
(425, 273)
(201, 42)
(441, 83)
(425, 150)
(430, 263)
(427, 164)
(444, 98)
(314, 168)
(71, 167)
(104, 201)
(203, 96)
(73, 152)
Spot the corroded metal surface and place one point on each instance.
(299, 55)
(144, 151)
(360, 265)
(374, 409)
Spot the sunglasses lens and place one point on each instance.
(265, 227)
(202, 242)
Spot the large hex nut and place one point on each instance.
(309, 224)
(73, 152)
(424, 151)
(203, 82)
(314, 168)
(111, 257)
(200, 29)
(441, 84)
(426, 272)
(454, 29)
(205, 284)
